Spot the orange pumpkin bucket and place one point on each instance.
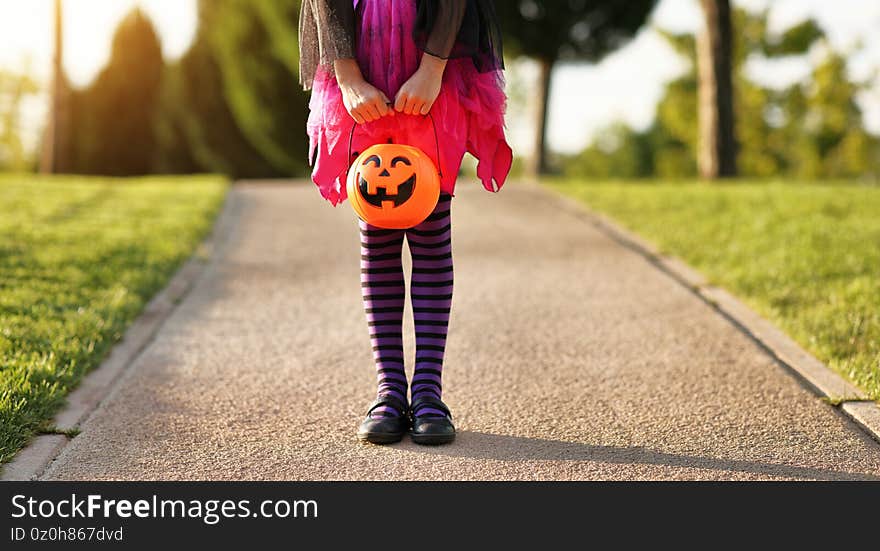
(393, 186)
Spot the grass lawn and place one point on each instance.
(79, 259)
(804, 255)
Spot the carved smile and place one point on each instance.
(404, 193)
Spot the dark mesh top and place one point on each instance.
(444, 28)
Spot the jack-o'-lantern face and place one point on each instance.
(393, 186)
(393, 182)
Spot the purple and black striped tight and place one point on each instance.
(384, 293)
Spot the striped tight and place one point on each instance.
(384, 294)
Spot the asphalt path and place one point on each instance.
(569, 357)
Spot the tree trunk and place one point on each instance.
(54, 148)
(717, 145)
(542, 109)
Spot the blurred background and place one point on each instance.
(641, 89)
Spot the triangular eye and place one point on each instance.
(375, 160)
(398, 160)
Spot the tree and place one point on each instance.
(14, 88)
(197, 130)
(811, 129)
(717, 144)
(827, 134)
(553, 30)
(231, 104)
(618, 153)
(254, 43)
(55, 147)
(115, 116)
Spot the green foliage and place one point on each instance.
(197, 130)
(177, 150)
(802, 254)
(79, 259)
(14, 88)
(795, 41)
(621, 153)
(254, 45)
(232, 104)
(829, 138)
(813, 129)
(576, 29)
(113, 118)
(549, 30)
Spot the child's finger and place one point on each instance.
(400, 102)
(382, 107)
(371, 113)
(410, 104)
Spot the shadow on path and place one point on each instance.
(478, 445)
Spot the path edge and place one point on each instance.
(850, 400)
(32, 461)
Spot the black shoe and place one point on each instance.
(431, 429)
(388, 429)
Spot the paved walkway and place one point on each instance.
(570, 357)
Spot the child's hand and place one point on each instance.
(418, 94)
(363, 101)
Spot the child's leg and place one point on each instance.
(431, 291)
(384, 293)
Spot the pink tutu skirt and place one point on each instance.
(469, 112)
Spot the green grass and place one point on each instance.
(79, 259)
(804, 255)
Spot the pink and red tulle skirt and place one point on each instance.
(469, 112)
